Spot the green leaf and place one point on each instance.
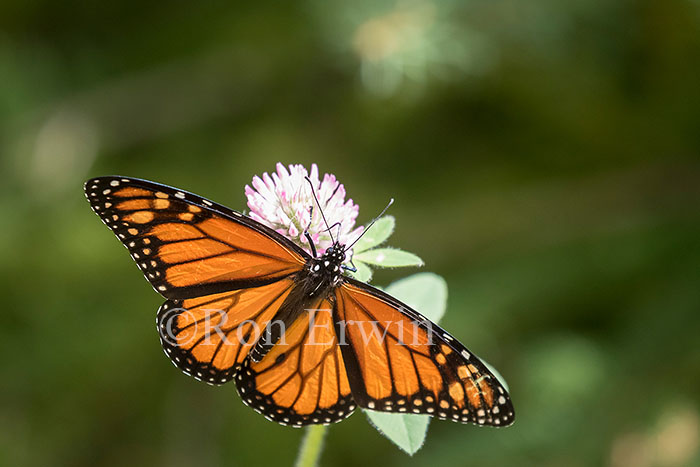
(380, 231)
(406, 431)
(363, 273)
(427, 293)
(389, 258)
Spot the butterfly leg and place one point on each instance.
(308, 237)
(350, 268)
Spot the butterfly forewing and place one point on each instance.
(187, 246)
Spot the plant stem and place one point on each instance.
(311, 446)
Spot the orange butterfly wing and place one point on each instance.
(208, 337)
(188, 246)
(398, 361)
(302, 379)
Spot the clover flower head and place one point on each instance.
(283, 201)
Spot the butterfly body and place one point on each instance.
(317, 279)
(304, 343)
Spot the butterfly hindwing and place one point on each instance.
(398, 361)
(302, 379)
(209, 337)
(187, 246)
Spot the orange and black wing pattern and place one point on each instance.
(302, 379)
(188, 246)
(208, 337)
(398, 361)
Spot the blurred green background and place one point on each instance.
(544, 160)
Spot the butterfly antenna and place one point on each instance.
(313, 192)
(391, 201)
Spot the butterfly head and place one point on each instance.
(335, 254)
(330, 264)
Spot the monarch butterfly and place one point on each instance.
(304, 343)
